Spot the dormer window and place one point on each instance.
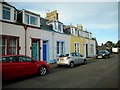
(26, 18)
(31, 19)
(15, 15)
(6, 13)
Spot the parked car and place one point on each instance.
(15, 66)
(103, 54)
(71, 59)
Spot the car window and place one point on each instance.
(28, 59)
(0, 59)
(4, 59)
(73, 54)
(24, 59)
(78, 55)
(8, 59)
(21, 59)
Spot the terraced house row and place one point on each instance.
(27, 33)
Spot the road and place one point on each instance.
(98, 73)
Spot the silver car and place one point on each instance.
(71, 59)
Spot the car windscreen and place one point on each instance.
(64, 55)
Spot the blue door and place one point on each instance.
(44, 50)
(35, 51)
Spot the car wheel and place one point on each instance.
(42, 71)
(85, 62)
(71, 64)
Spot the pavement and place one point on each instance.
(90, 59)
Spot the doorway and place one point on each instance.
(45, 51)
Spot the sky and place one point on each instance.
(99, 18)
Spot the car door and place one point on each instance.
(10, 68)
(79, 58)
(26, 66)
(74, 58)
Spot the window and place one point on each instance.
(28, 59)
(92, 49)
(24, 59)
(9, 45)
(27, 18)
(21, 59)
(30, 19)
(8, 59)
(59, 27)
(33, 20)
(4, 45)
(60, 47)
(55, 25)
(6, 13)
(77, 47)
(15, 15)
(78, 55)
(12, 46)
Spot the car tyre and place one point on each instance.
(42, 71)
(71, 64)
(85, 62)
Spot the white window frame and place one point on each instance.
(2, 12)
(60, 47)
(30, 19)
(92, 49)
(77, 47)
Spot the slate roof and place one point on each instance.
(44, 26)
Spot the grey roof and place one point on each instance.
(5, 3)
(44, 26)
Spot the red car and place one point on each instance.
(14, 66)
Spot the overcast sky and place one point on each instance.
(100, 18)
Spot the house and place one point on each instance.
(76, 42)
(81, 41)
(27, 33)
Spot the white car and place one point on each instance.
(71, 59)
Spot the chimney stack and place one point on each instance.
(80, 26)
(52, 15)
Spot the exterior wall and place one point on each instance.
(15, 30)
(89, 42)
(64, 38)
(51, 37)
(74, 39)
(42, 35)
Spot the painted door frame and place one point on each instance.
(38, 42)
(47, 49)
